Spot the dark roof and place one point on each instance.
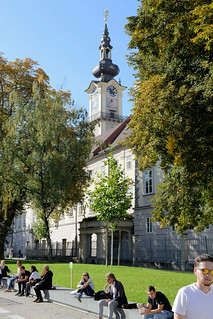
(113, 137)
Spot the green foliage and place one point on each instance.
(40, 229)
(110, 200)
(172, 44)
(48, 146)
(182, 201)
(15, 76)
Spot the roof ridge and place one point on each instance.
(110, 139)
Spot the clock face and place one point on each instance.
(112, 91)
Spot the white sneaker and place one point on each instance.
(7, 290)
(74, 292)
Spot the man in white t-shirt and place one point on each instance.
(195, 301)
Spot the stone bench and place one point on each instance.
(61, 295)
(4, 281)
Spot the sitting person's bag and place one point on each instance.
(130, 306)
(100, 295)
(35, 281)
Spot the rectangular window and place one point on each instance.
(90, 205)
(93, 252)
(176, 256)
(148, 225)
(70, 211)
(103, 170)
(148, 182)
(129, 192)
(92, 174)
(80, 210)
(173, 227)
(62, 215)
(129, 162)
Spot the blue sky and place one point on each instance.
(63, 36)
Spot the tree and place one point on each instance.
(110, 199)
(173, 103)
(14, 76)
(48, 143)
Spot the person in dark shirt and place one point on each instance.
(116, 297)
(4, 270)
(45, 283)
(22, 281)
(158, 305)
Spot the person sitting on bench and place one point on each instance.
(115, 298)
(45, 283)
(4, 270)
(14, 277)
(86, 286)
(33, 280)
(158, 306)
(22, 281)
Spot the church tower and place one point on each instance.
(105, 94)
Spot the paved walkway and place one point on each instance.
(14, 307)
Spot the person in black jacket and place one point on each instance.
(45, 283)
(22, 281)
(4, 270)
(116, 298)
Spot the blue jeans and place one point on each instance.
(88, 290)
(164, 314)
(12, 281)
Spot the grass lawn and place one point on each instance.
(135, 279)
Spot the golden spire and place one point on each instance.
(106, 12)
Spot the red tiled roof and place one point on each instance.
(110, 139)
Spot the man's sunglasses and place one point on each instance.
(206, 271)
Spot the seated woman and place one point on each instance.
(86, 286)
(4, 270)
(33, 279)
(44, 283)
(14, 277)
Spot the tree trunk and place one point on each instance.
(107, 247)
(4, 229)
(13, 209)
(48, 238)
(112, 237)
(184, 251)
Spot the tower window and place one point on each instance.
(148, 184)
(129, 162)
(103, 170)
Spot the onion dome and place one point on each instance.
(105, 70)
